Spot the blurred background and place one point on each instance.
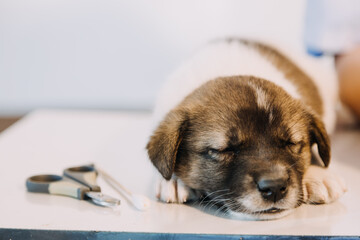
(115, 54)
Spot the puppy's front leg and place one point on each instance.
(174, 191)
(320, 186)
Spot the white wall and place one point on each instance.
(115, 54)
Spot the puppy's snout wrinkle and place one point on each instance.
(272, 189)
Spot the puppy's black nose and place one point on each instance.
(272, 189)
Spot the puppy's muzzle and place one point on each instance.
(272, 189)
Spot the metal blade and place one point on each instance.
(102, 199)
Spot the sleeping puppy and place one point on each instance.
(243, 125)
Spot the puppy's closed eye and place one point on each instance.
(217, 154)
(212, 154)
(294, 147)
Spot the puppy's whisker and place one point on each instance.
(227, 204)
(230, 205)
(214, 202)
(212, 193)
(207, 197)
(218, 196)
(218, 199)
(221, 200)
(220, 209)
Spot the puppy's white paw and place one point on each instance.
(173, 191)
(320, 185)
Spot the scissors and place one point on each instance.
(77, 182)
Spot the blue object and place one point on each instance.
(314, 53)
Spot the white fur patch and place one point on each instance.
(261, 100)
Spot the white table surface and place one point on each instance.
(47, 141)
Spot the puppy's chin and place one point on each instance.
(259, 216)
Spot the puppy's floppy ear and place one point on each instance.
(319, 136)
(165, 141)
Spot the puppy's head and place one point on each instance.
(242, 141)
